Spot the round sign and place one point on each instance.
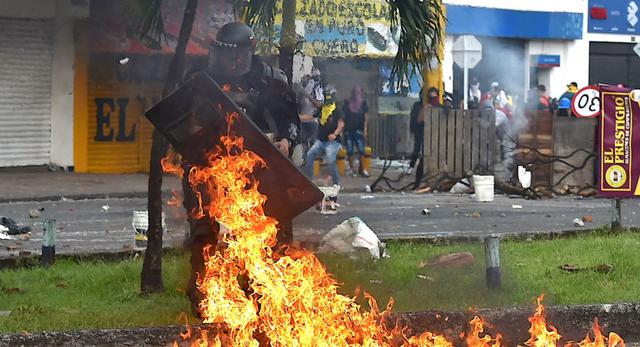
(586, 102)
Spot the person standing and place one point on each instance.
(564, 103)
(416, 123)
(328, 141)
(308, 106)
(263, 92)
(355, 110)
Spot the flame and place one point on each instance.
(540, 336)
(474, 339)
(614, 339)
(255, 296)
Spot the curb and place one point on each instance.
(75, 197)
(573, 323)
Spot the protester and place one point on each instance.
(308, 106)
(355, 110)
(564, 103)
(543, 100)
(416, 123)
(475, 94)
(328, 141)
(262, 91)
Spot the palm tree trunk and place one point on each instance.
(288, 37)
(151, 278)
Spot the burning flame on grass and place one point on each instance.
(255, 296)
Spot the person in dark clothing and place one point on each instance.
(263, 93)
(328, 141)
(355, 111)
(416, 123)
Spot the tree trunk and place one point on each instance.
(288, 37)
(151, 278)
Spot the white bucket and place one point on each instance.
(483, 186)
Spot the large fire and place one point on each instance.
(256, 296)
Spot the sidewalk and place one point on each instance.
(37, 184)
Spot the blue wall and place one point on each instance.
(467, 20)
(617, 21)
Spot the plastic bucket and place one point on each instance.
(483, 186)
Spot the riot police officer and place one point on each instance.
(263, 93)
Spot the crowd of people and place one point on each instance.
(327, 125)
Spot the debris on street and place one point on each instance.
(13, 227)
(450, 260)
(35, 213)
(516, 207)
(106, 208)
(587, 219)
(462, 187)
(426, 212)
(600, 268)
(365, 197)
(350, 237)
(578, 222)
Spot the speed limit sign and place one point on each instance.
(586, 102)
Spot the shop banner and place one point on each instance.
(619, 144)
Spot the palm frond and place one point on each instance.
(421, 25)
(259, 14)
(150, 30)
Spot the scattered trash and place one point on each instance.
(35, 213)
(424, 190)
(601, 268)
(351, 236)
(365, 197)
(547, 216)
(475, 214)
(426, 212)
(423, 277)
(578, 222)
(62, 198)
(140, 224)
(5, 313)
(524, 177)
(462, 187)
(106, 208)
(375, 281)
(452, 260)
(62, 284)
(516, 207)
(13, 227)
(367, 188)
(329, 203)
(587, 219)
(503, 215)
(125, 61)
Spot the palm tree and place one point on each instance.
(420, 23)
(151, 32)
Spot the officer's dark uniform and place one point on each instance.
(265, 96)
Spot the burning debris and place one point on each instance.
(256, 296)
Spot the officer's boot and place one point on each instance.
(199, 241)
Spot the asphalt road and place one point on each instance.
(84, 226)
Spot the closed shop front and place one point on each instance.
(613, 63)
(26, 54)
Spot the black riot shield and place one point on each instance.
(194, 117)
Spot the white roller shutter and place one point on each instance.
(26, 53)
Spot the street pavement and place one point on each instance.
(104, 225)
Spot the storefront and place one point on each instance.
(612, 32)
(513, 37)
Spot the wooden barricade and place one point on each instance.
(459, 141)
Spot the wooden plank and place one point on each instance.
(442, 143)
(475, 140)
(459, 152)
(466, 142)
(433, 140)
(491, 135)
(451, 140)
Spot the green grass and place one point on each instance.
(72, 295)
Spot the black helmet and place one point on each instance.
(235, 35)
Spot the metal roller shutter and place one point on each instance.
(26, 53)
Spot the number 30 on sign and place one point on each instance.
(586, 102)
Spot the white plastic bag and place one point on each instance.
(351, 236)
